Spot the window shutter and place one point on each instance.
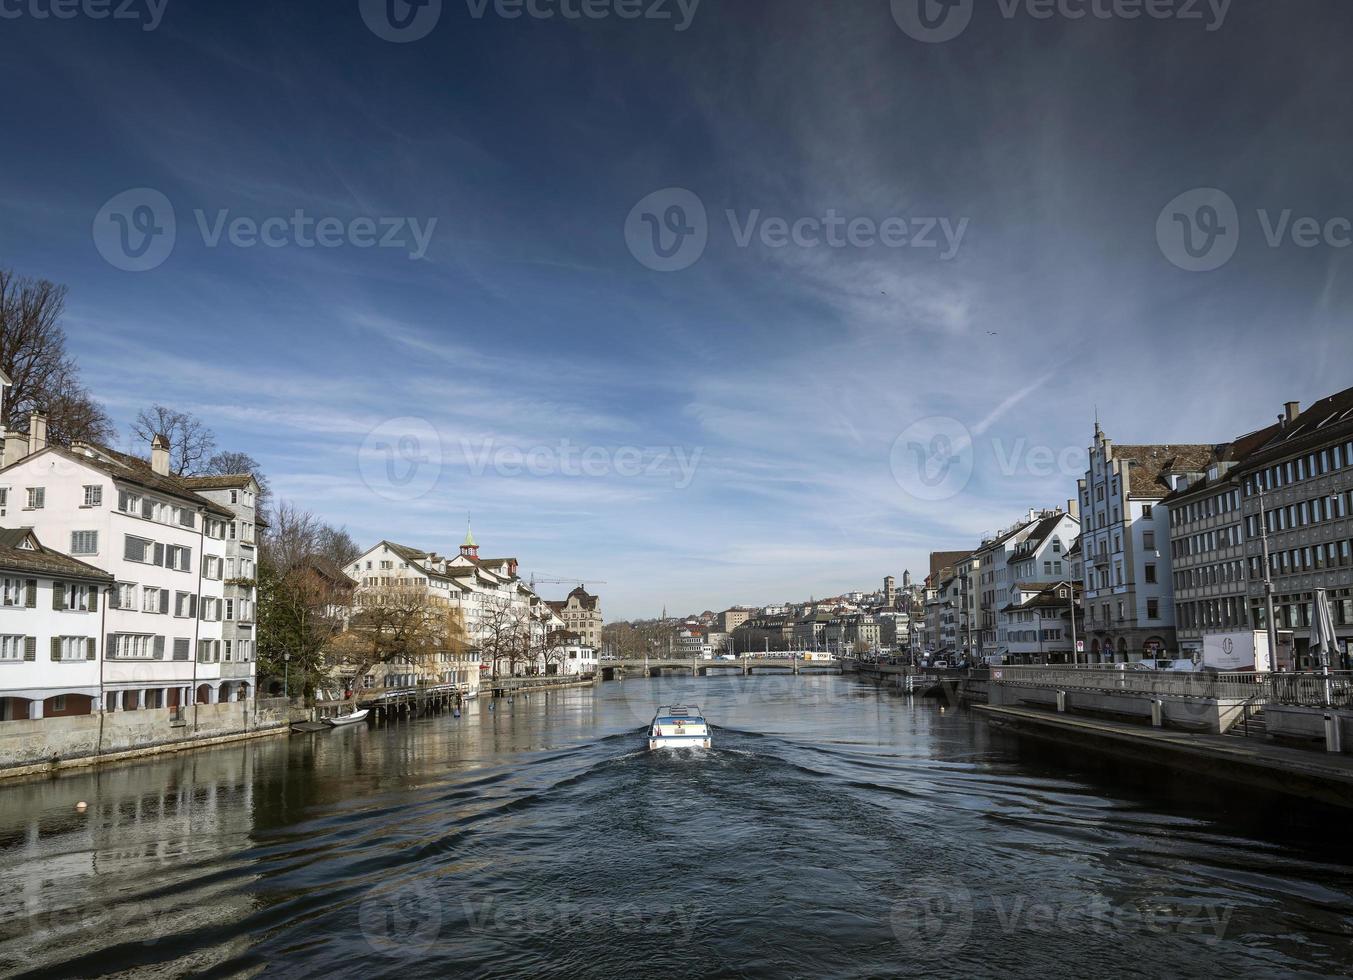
(91, 648)
(94, 599)
(164, 601)
(56, 648)
(147, 508)
(159, 648)
(58, 596)
(192, 607)
(30, 598)
(110, 646)
(30, 648)
(159, 554)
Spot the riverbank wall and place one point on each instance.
(48, 745)
(1243, 761)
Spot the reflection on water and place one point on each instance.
(833, 829)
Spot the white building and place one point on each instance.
(165, 547)
(483, 591)
(51, 644)
(237, 493)
(1128, 597)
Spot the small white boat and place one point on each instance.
(347, 719)
(678, 726)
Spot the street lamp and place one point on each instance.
(286, 673)
(1268, 584)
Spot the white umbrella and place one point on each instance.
(1323, 638)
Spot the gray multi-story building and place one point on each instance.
(1297, 474)
(237, 492)
(1305, 473)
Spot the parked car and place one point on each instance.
(941, 665)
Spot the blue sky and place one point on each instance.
(743, 414)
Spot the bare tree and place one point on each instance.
(395, 625)
(337, 545)
(43, 376)
(190, 441)
(505, 634)
(231, 463)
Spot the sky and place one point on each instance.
(702, 304)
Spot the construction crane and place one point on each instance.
(562, 581)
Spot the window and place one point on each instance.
(124, 596)
(93, 495)
(37, 498)
(234, 496)
(80, 598)
(19, 592)
(1146, 511)
(68, 648)
(84, 542)
(135, 549)
(135, 646)
(1153, 609)
(230, 609)
(1150, 573)
(1149, 540)
(180, 648)
(14, 648)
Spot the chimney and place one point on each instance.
(1073, 507)
(37, 432)
(1291, 410)
(159, 455)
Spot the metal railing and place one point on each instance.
(1334, 689)
(1308, 689)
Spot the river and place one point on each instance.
(834, 829)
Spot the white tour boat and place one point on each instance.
(347, 719)
(678, 726)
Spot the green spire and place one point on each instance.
(469, 538)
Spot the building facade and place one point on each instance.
(165, 547)
(1128, 594)
(51, 640)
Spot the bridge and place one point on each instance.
(697, 667)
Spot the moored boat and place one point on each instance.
(678, 726)
(348, 719)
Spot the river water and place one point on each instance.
(834, 829)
